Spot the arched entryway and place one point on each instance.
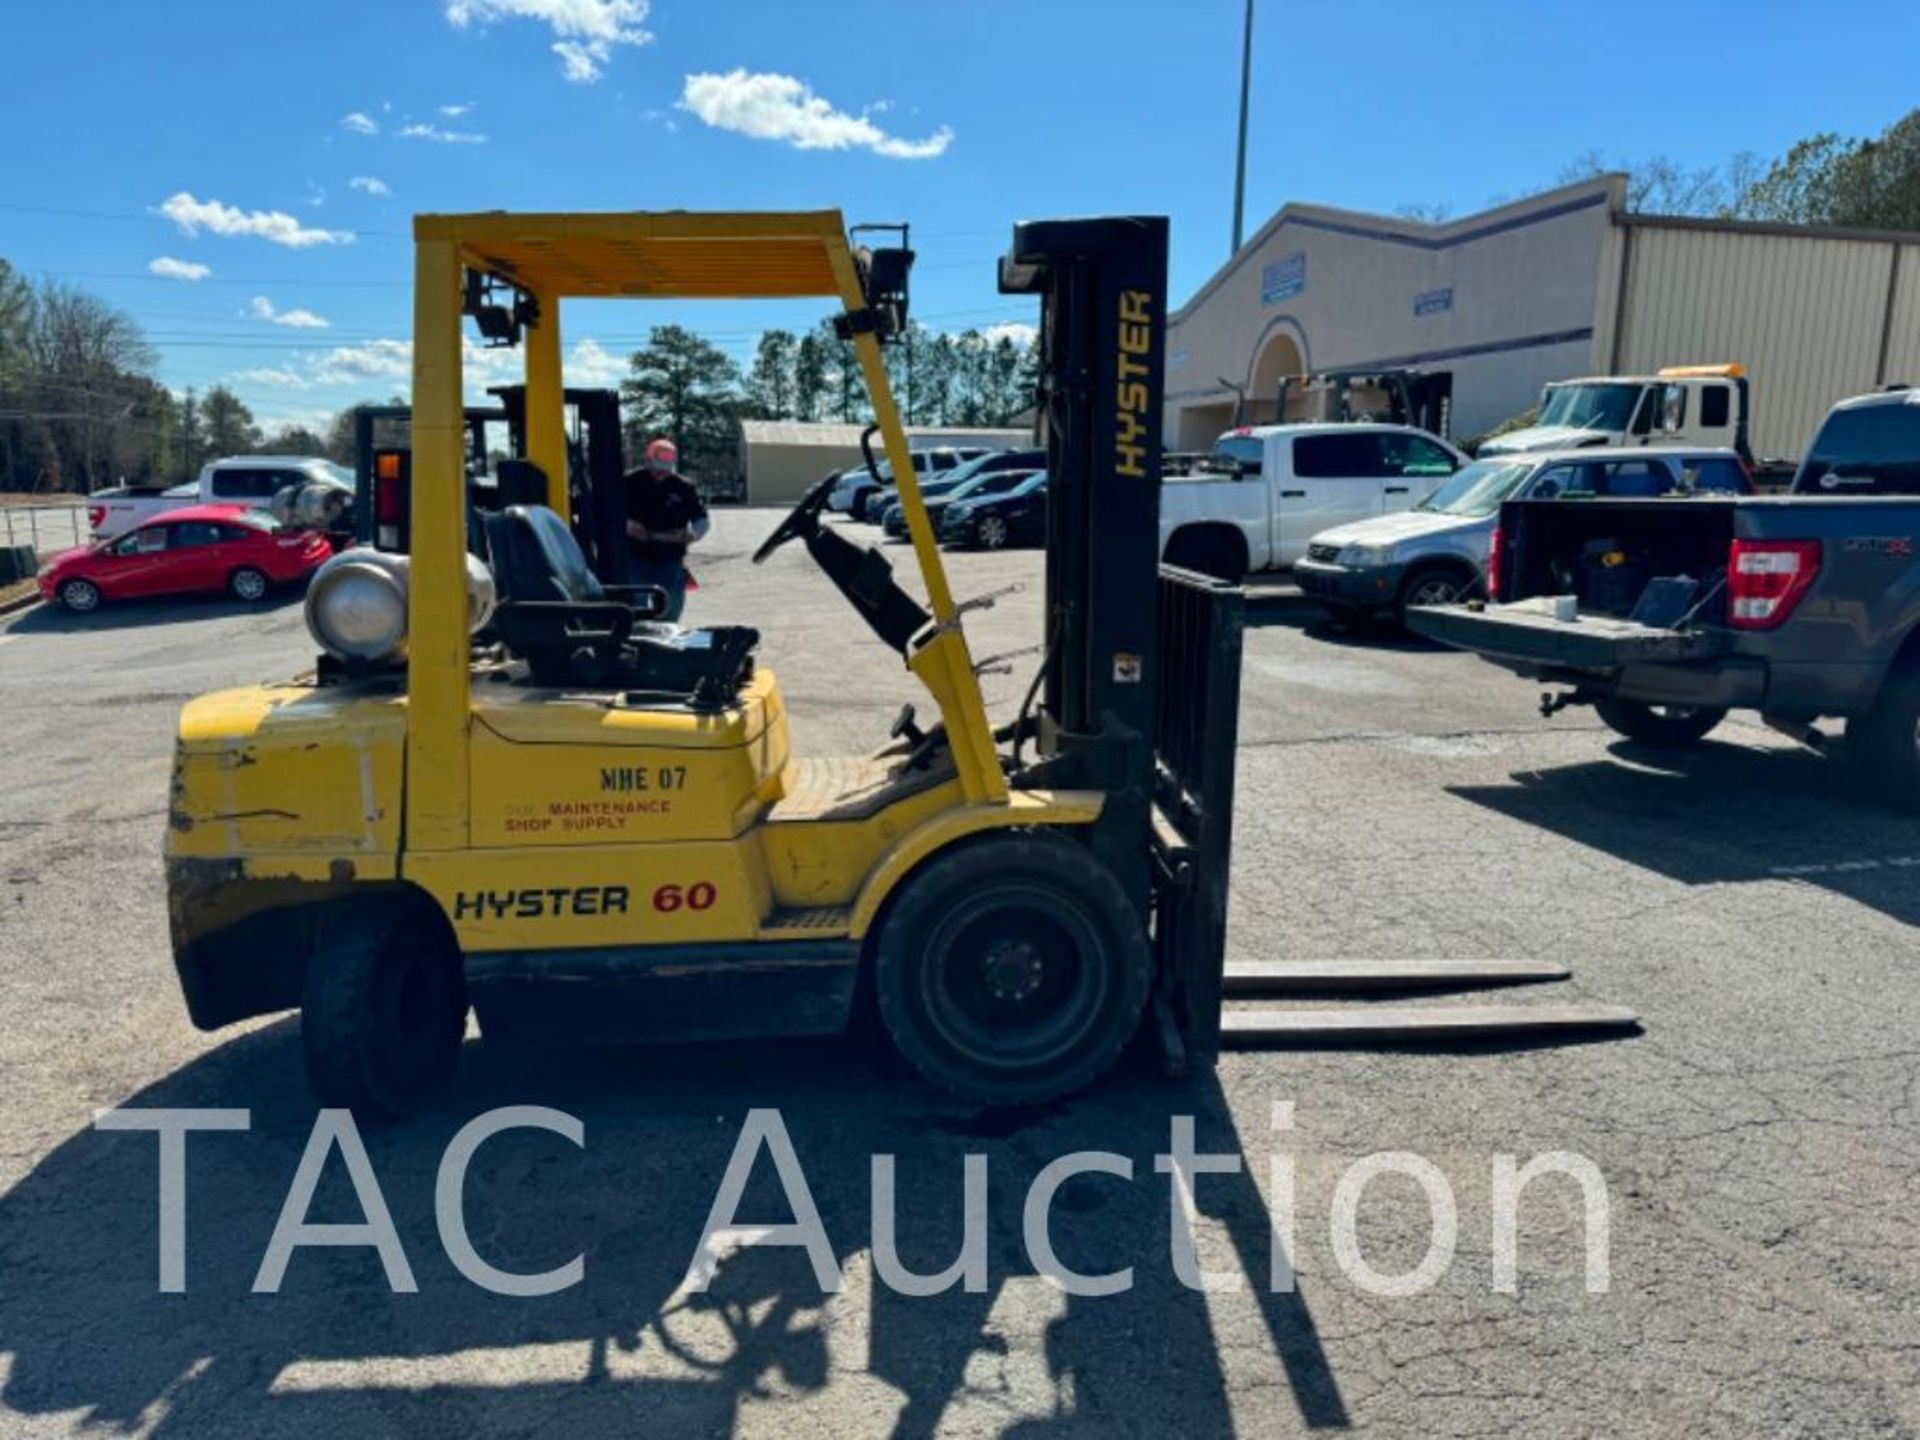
(1278, 355)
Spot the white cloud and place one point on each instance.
(779, 107)
(193, 216)
(454, 112)
(359, 123)
(172, 269)
(387, 365)
(369, 185)
(592, 364)
(445, 137)
(349, 364)
(266, 375)
(1018, 331)
(261, 308)
(273, 418)
(587, 30)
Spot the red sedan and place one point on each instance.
(198, 549)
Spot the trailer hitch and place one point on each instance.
(1551, 704)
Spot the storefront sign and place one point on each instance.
(1284, 278)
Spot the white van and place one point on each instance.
(1269, 488)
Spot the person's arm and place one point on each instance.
(698, 522)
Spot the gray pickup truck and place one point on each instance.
(1664, 615)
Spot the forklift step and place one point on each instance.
(1302, 976)
(1378, 1023)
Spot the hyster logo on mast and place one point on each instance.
(1132, 393)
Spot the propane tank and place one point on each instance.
(357, 604)
(309, 505)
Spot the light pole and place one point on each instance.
(1240, 161)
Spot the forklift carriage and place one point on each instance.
(593, 827)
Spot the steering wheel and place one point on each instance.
(804, 518)
(800, 521)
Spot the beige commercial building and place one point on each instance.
(1492, 306)
(781, 458)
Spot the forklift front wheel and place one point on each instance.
(385, 1008)
(1011, 972)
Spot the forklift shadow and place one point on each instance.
(49, 619)
(631, 1348)
(1694, 819)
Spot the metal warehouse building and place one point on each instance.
(781, 458)
(1562, 284)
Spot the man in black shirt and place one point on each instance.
(664, 516)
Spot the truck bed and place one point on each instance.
(1826, 655)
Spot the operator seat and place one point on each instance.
(574, 631)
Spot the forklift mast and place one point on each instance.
(1102, 288)
(1141, 688)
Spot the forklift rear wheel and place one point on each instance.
(1667, 727)
(1009, 972)
(385, 1009)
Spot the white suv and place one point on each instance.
(855, 486)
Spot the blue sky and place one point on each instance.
(960, 117)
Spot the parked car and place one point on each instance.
(856, 486)
(1664, 615)
(1437, 551)
(995, 482)
(893, 520)
(245, 480)
(993, 521)
(198, 548)
(1270, 488)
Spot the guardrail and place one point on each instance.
(47, 528)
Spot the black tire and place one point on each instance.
(1010, 972)
(249, 584)
(1883, 745)
(1432, 585)
(1210, 553)
(82, 597)
(990, 532)
(385, 1008)
(1665, 727)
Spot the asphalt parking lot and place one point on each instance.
(1760, 1141)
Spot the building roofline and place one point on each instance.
(1609, 189)
(1768, 227)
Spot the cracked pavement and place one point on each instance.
(1760, 1141)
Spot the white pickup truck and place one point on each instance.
(1267, 489)
(243, 480)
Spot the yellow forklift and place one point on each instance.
(596, 829)
(546, 807)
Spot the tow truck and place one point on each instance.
(593, 827)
